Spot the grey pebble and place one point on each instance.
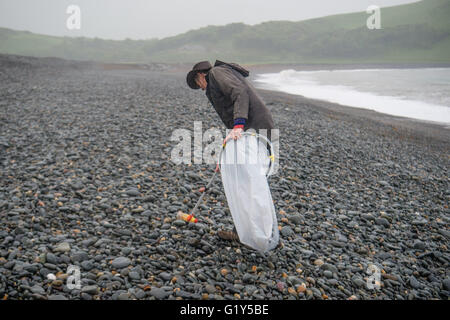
(159, 293)
(121, 262)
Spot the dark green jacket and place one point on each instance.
(234, 97)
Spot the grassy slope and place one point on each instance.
(418, 32)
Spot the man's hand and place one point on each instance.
(235, 134)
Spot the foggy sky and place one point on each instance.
(145, 19)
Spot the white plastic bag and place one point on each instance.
(244, 164)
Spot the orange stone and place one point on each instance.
(301, 289)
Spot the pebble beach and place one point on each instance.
(87, 181)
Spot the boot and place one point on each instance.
(228, 235)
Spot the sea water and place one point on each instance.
(422, 93)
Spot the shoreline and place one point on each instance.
(275, 68)
(418, 130)
(425, 132)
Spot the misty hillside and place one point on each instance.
(418, 32)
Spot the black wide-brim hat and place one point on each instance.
(201, 66)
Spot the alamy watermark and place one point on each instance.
(73, 279)
(207, 146)
(73, 22)
(374, 281)
(374, 21)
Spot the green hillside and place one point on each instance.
(417, 32)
